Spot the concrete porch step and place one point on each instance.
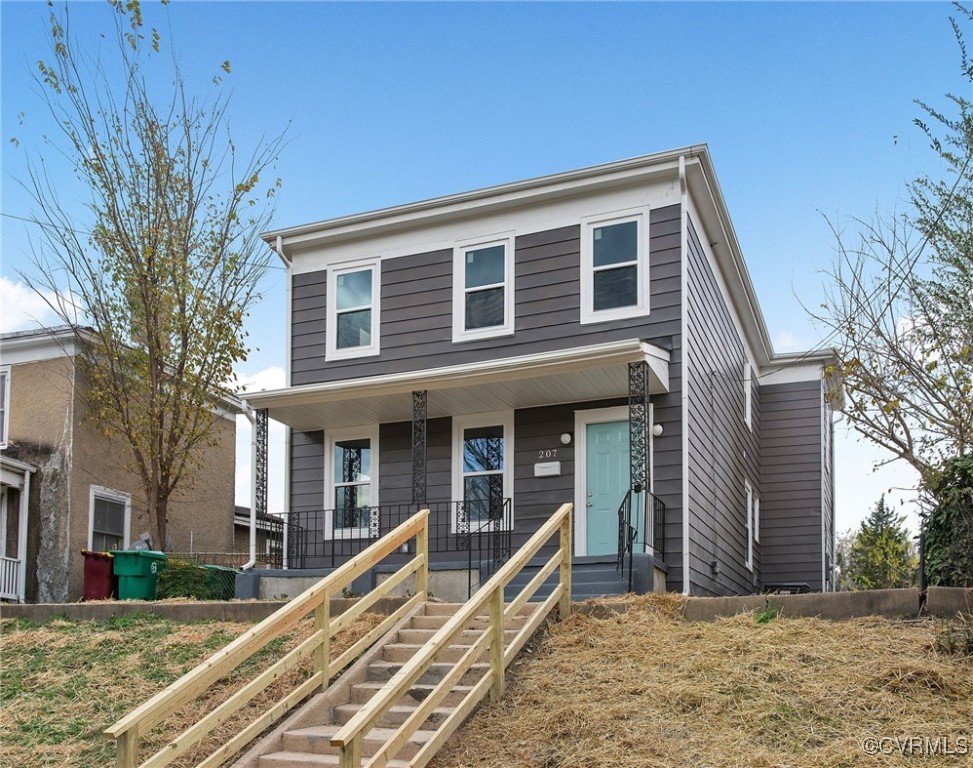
(364, 691)
(317, 740)
(311, 760)
(385, 670)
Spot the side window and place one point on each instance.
(4, 404)
(482, 479)
(614, 268)
(752, 512)
(351, 466)
(353, 311)
(110, 517)
(748, 395)
(483, 301)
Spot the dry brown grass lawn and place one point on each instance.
(63, 683)
(645, 688)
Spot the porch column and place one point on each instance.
(419, 447)
(260, 463)
(638, 415)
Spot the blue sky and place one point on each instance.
(807, 109)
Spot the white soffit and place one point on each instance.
(574, 375)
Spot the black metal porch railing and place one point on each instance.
(481, 532)
(655, 521)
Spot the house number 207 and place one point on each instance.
(550, 453)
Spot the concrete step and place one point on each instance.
(412, 636)
(363, 692)
(310, 760)
(385, 670)
(317, 740)
(404, 651)
(394, 717)
(480, 622)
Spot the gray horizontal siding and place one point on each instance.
(416, 292)
(793, 485)
(723, 452)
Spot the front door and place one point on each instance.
(607, 473)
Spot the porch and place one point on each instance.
(481, 446)
(14, 501)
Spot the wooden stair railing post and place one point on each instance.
(497, 664)
(422, 575)
(127, 749)
(322, 654)
(349, 755)
(567, 545)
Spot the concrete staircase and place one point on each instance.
(303, 740)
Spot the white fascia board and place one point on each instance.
(33, 346)
(483, 372)
(796, 367)
(465, 204)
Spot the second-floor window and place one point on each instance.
(614, 267)
(353, 311)
(483, 289)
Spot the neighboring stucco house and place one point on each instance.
(66, 487)
(589, 337)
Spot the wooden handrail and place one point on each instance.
(349, 737)
(129, 730)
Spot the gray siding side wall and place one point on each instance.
(416, 334)
(791, 504)
(416, 295)
(827, 488)
(723, 451)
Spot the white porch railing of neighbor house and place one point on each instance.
(10, 579)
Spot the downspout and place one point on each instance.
(684, 394)
(248, 412)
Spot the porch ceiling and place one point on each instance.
(565, 376)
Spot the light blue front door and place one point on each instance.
(607, 478)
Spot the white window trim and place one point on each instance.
(756, 519)
(109, 494)
(748, 489)
(331, 326)
(641, 307)
(4, 433)
(460, 249)
(504, 419)
(748, 395)
(331, 437)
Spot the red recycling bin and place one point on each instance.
(100, 581)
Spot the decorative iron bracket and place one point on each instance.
(260, 463)
(419, 447)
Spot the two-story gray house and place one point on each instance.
(589, 337)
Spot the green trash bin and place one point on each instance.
(221, 582)
(138, 572)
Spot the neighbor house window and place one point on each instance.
(614, 268)
(483, 289)
(109, 519)
(4, 404)
(482, 462)
(352, 488)
(353, 311)
(752, 512)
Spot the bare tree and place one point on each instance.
(900, 306)
(165, 263)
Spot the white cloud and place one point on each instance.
(21, 308)
(785, 341)
(268, 378)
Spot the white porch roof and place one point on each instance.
(576, 374)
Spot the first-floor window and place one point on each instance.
(110, 513)
(482, 451)
(352, 474)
